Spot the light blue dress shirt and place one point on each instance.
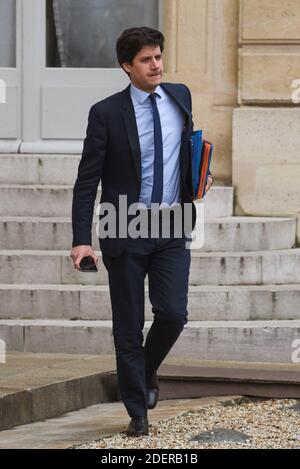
(172, 122)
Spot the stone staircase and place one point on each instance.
(244, 300)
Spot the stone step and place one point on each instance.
(71, 430)
(41, 386)
(233, 268)
(187, 378)
(38, 169)
(44, 200)
(259, 341)
(220, 234)
(214, 303)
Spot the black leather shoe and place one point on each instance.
(138, 426)
(152, 397)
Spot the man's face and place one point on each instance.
(146, 69)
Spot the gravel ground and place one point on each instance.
(269, 424)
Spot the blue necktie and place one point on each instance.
(157, 191)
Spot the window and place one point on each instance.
(84, 33)
(8, 33)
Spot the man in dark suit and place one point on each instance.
(137, 144)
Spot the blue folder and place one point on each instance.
(201, 153)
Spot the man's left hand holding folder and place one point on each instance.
(209, 183)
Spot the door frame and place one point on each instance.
(37, 123)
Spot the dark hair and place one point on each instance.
(132, 40)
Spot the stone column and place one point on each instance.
(266, 125)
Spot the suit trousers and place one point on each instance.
(167, 263)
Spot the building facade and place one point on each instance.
(240, 58)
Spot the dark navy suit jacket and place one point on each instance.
(111, 153)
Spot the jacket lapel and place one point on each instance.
(187, 128)
(132, 131)
(173, 95)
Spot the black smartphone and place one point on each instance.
(87, 264)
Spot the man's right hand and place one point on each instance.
(79, 252)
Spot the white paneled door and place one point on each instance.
(57, 58)
(10, 76)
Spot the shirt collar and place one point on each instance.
(141, 95)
